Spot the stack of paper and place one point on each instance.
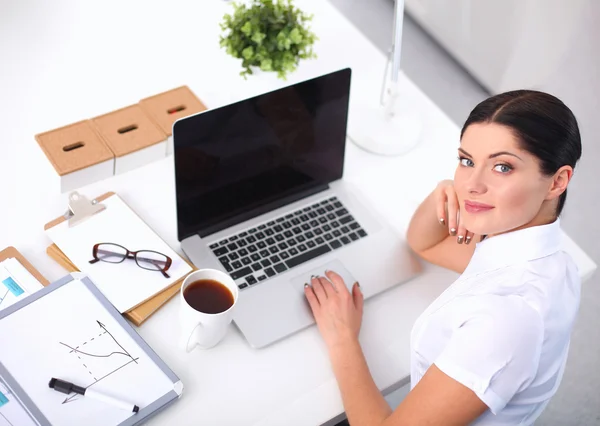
(15, 282)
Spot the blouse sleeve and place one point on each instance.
(495, 350)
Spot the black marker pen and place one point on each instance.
(66, 387)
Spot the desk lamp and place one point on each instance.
(390, 127)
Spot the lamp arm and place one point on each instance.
(395, 53)
(397, 46)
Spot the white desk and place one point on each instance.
(65, 62)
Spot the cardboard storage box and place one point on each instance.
(78, 154)
(168, 107)
(132, 136)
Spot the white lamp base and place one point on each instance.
(373, 129)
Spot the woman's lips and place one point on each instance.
(473, 207)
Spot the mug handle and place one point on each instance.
(192, 338)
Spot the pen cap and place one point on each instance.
(65, 387)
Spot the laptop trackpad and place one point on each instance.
(333, 265)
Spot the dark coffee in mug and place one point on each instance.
(208, 296)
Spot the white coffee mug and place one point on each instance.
(199, 328)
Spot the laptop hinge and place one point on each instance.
(265, 208)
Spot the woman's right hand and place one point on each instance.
(448, 211)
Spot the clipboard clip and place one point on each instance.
(80, 208)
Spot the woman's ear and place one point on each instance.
(560, 180)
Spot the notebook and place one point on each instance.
(84, 340)
(125, 284)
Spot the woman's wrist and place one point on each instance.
(425, 229)
(342, 344)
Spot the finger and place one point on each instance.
(452, 211)
(330, 290)
(469, 237)
(318, 289)
(461, 233)
(441, 208)
(338, 282)
(312, 299)
(358, 297)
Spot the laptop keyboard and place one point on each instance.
(287, 241)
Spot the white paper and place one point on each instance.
(69, 335)
(22, 275)
(15, 283)
(12, 412)
(125, 284)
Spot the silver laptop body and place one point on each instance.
(272, 249)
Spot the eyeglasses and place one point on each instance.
(145, 259)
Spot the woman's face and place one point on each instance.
(499, 186)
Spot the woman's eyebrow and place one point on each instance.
(505, 153)
(492, 155)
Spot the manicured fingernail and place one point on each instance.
(460, 239)
(467, 240)
(313, 277)
(442, 221)
(305, 285)
(453, 231)
(358, 284)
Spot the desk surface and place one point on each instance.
(63, 62)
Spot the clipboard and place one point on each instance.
(32, 406)
(9, 252)
(138, 314)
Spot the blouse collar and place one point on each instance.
(514, 247)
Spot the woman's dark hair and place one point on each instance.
(543, 124)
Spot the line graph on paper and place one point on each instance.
(98, 357)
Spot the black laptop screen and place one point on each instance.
(241, 160)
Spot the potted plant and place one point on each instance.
(271, 35)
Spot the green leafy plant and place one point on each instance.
(272, 35)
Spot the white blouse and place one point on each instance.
(503, 328)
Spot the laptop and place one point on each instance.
(261, 196)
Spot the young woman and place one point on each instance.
(491, 350)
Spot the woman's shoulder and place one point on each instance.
(526, 293)
(545, 277)
(511, 309)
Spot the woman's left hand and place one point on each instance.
(337, 311)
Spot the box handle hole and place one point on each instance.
(73, 146)
(127, 129)
(176, 109)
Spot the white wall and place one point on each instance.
(504, 44)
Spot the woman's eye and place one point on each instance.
(467, 162)
(502, 168)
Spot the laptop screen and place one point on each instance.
(242, 160)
